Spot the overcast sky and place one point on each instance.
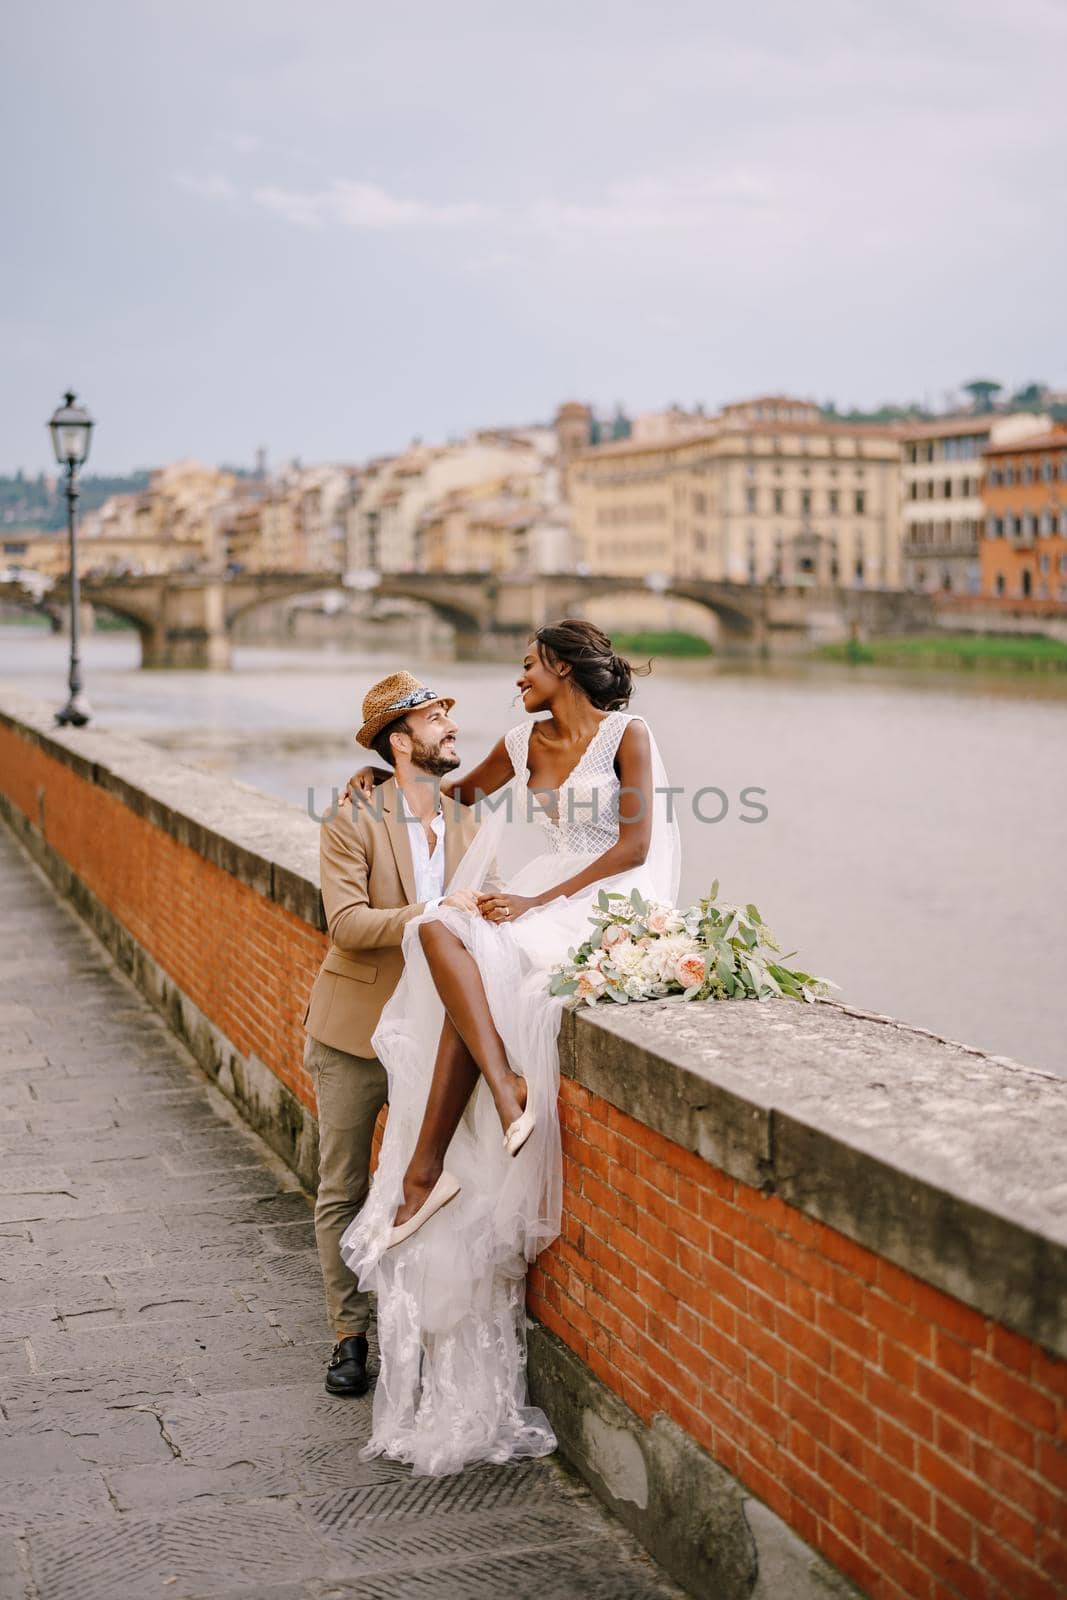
(328, 227)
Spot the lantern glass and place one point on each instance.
(71, 427)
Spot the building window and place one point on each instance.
(861, 502)
(835, 496)
(1000, 583)
(1027, 473)
(946, 489)
(805, 501)
(779, 501)
(1028, 583)
(750, 500)
(1043, 562)
(993, 477)
(1007, 477)
(700, 503)
(1046, 471)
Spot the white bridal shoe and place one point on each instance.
(445, 1189)
(518, 1133)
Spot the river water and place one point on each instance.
(913, 843)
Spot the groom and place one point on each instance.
(380, 866)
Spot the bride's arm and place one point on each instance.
(635, 829)
(486, 778)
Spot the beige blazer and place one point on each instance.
(368, 894)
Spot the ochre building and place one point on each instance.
(768, 491)
(1023, 548)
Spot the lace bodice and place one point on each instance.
(581, 817)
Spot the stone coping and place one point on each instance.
(943, 1159)
(268, 844)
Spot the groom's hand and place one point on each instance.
(504, 907)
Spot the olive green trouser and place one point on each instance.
(350, 1092)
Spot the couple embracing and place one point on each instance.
(468, 1186)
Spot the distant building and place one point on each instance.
(942, 511)
(397, 492)
(573, 426)
(766, 492)
(1023, 547)
(500, 528)
(654, 427)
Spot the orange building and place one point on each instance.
(1023, 547)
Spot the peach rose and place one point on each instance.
(689, 971)
(614, 934)
(590, 984)
(658, 919)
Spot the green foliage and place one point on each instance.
(952, 650)
(665, 642)
(40, 502)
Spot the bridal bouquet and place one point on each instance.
(640, 950)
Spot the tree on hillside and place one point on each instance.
(983, 392)
(1030, 396)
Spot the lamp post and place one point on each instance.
(71, 427)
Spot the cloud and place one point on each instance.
(213, 187)
(653, 205)
(366, 205)
(644, 205)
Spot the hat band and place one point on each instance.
(417, 697)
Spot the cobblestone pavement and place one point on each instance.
(163, 1426)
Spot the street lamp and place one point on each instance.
(72, 427)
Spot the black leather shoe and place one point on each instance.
(347, 1372)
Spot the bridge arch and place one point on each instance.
(13, 594)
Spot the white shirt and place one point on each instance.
(429, 869)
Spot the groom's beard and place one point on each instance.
(433, 758)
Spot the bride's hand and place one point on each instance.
(462, 900)
(362, 784)
(504, 907)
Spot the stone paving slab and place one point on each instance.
(164, 1432)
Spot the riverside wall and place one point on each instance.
(805, 1327)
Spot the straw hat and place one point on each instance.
(389, 699)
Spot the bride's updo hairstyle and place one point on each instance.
(604, 677)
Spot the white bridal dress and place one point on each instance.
(451, 1299)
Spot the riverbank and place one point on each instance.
(1032, 652)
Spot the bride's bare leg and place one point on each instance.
(459, 983)
(469, 1044)
(454, 1075)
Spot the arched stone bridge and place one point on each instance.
(185, 619)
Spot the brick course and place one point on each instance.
(917, 1444)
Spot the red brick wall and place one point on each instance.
(247, 963)
(918, 1445)
(915, 1443)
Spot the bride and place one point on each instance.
(468, 1186)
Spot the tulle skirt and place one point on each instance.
(451, 1388)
